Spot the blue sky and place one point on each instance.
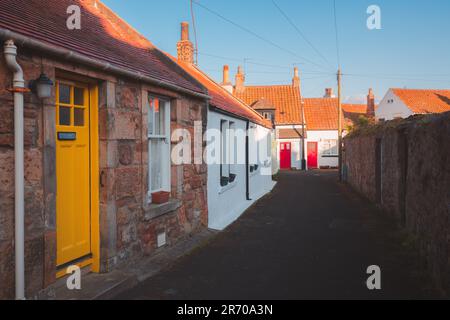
(411, 50)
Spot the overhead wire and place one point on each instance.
(254, 34)
(299, 31)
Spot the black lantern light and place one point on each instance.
(42, 86)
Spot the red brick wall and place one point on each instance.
(415, 182)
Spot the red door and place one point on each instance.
(312, 155)
(285, 155)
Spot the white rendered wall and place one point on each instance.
(296, 155)
(318, 136)
(261, 180)
(226, 204)
(392, 110)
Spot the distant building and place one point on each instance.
(402, 103)
(282, 105)
(321, 116)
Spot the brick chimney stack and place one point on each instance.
(329, 93)
(226, 74)
(240, 80)
(296, 79)
(371, 103)
(185, 48)
(226, 84)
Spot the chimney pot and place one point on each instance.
(185, 48)
(184, 31)
(240, 79)
(226, 74)
(371, 103)
(328, 93)
(296, 79)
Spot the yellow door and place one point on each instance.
(73, 207)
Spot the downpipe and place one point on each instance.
(247, 162)
(10, 53)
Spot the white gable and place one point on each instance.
(392, 107)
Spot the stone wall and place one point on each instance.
(38, 195)
(128, 226)
(412, 182)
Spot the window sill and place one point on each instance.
(229, 186)
(328, 156)
(156, 210)
(254, 173)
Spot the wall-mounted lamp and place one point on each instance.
(42, 86)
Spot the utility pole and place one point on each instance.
(303, 134)
(339, 79)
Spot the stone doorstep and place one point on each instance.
(108, 285)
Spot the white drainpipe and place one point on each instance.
(10, 51)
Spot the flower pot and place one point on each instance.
(160, 197)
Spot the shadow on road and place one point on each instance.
(311, 238)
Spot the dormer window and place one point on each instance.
(267, 115)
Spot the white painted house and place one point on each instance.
(403, 103)
(238, 151)
(321, 116)
(282, 105)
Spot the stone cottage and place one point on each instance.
(97, 145)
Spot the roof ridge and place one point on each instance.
(121, 20)
(228, 93)
(409, 89)
(268, 86)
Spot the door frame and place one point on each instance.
(284, 150)
(94, 150)
(316, 148)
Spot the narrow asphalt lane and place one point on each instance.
(311, 238)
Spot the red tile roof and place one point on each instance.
(103, 36)
(425, 101)
(285, 98)
(221, 98)
(322, 113)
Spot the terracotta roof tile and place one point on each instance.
(425, 101)
(322, 113)
(221, 98)
(103, 36)
(285, 98)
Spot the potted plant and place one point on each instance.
(160, 197)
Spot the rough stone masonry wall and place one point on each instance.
(415, 181)
(127, 231)
(38, 224)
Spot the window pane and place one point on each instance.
(64, 116)
(150, 126)
(78, 96)
(156, 163)
(160, 118)
(334, 149)
(64, 94)
(78, 117)
(224, 147)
